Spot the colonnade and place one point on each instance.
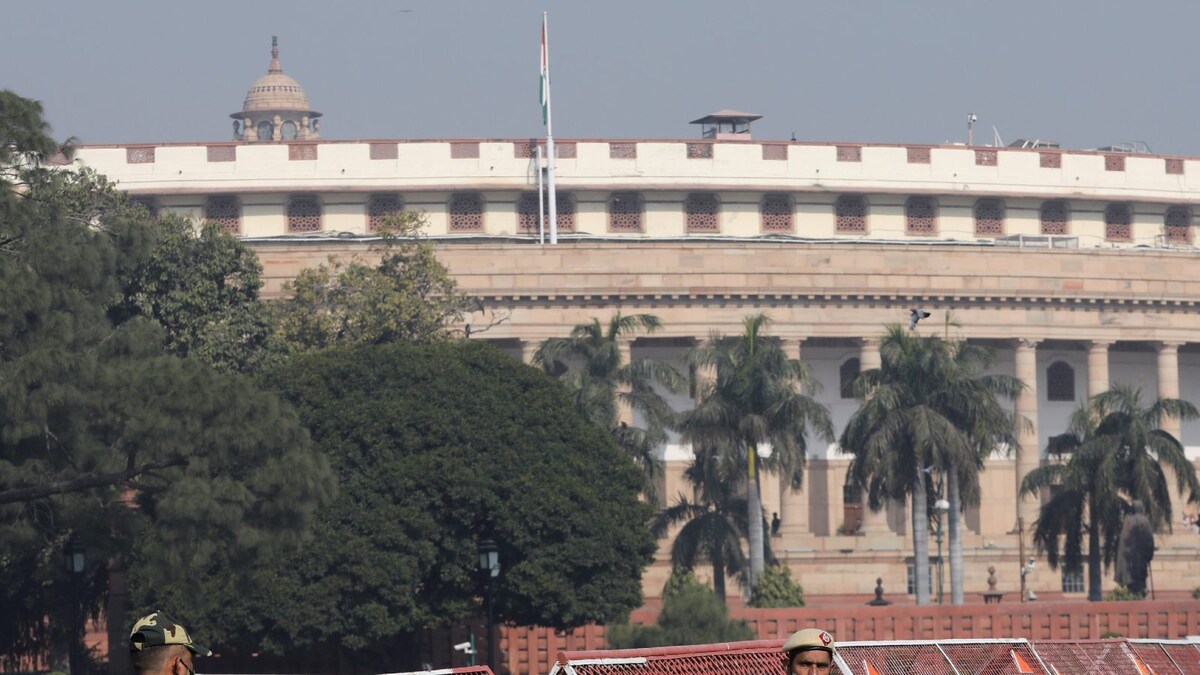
(794, 506)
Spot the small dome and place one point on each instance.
(276, 91)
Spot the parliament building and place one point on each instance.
(1079, 267)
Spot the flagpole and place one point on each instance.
(541, 200)
(550, 154)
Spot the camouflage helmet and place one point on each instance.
(159, 630)
(808, 639)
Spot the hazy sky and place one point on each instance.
(1083, 72)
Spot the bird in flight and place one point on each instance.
(916, 315)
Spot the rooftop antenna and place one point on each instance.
(996, 140)
(972, 118)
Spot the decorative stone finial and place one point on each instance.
(275, 67)
(879, 601)
(991, 578)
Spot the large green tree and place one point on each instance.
(590, 364)
(201, 284)
(408, 296)
(103, 436)
(1112, 453)
(758, 400)
(930, 406)
(436, 448)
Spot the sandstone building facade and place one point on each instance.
(1078, 267)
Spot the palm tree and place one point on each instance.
(714, 523)
(929, 406)
(756, 400)
(589, 362)
(1111, 454)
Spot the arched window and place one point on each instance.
(625, 212)
(288, 131)
(920, 216)
(304, 215)
(380, 208)
(527, 212)
(1060, 382)
(989, 218)
(702, 212)
(776, 213)
(225, 211)
(266, 131)
(1177, 225)
(847, 374)
(466, 212)
(851, 214)
(1055, 217)
(1118, 224)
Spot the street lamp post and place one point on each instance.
(489, 565)
(940, 507)
(75, 560)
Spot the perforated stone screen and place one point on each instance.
(139, 155)
(920, 216)
(527, 212)
(622, 150)
(850, 214)
(986, 157)
(1177, 225)
(302, 152)
(699, 150)
(1114, 162)
(774, 151)
(625, 212)
(989, 217)
(304, 215)
(918, 155)
(385, 151)
(380, 208)
(222, 153)
(1050, 160)
(1054, 218)
(1174, 166)
(776, 213)
(849, 153)
(466, 213)
(702, 211)
(1117, 223)
(225, 211)
(464, 150)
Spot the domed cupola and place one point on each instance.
(276, 108)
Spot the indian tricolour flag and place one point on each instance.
(545, 79)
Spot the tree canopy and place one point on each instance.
(691, 615)
(757, 399)
(1112, 453)
(103, 434)
(437, 447)
(408, 296)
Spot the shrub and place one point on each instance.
(1108, 634)
(775, 588)
(1121, 593)
(1196, 593)
(691, 615)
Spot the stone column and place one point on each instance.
(1168, 381)
(624, 410)
(1097, 367)
(873, 523)
(1029, 453)
(528, 347)
(793, 504)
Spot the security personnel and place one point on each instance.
(809, 651)
(158, 645)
